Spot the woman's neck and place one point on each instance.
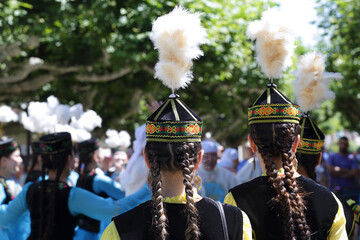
(172, 183)
(276, 160)
(63, 176)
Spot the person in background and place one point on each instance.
(248, 155)
(215, 180)
(99, 184)
(343, 170)
(136, 172)
(53, 204)
(309, 155)
(10, 161)
(120, 160)
(229, 159)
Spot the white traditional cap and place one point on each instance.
(209, 146)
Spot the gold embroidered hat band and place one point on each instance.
(273, 106)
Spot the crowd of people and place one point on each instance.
(174, 184)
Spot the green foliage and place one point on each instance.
(340, 21)
(104, 37)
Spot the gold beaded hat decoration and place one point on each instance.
(274, 48)
(177, 36)
(311, 89)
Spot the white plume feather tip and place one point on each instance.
(274, 42)
(311, 84)
(7, 114)
(177, 35)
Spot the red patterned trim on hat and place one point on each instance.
(156, 131)
(274, 111)
(312, 146)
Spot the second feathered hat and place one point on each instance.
(311, 89)
(177, 37)
(274, 47)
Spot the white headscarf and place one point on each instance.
(136, 172)
(227, 157)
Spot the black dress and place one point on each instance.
(136, 223)
(254, 198)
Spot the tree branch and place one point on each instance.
(28, 69)
(103, 78)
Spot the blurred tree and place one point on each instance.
(98, 52)
(341, 41)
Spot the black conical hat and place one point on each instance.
(173, 121)
(273, 106)
(88, 146)
(55, 143)
(311, 137)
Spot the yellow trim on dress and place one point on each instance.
(338, 230)
(110, 232)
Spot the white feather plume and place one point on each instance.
(7, 114)
(76, 111)
(274, 42)
(52, 103)
(77, 135)
(88, 121)
(115, 139)
(177, 35)
(63, 114)
(311, 84)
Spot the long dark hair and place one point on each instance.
(276, 140)
(50, 162)
(85, 161)
(308, 162)
(173, 157)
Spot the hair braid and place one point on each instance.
(159, 216)
(277, 140)
(192, 232)
(281, 197)
(297, 202)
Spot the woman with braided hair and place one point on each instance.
(281, 204)
(173, 153)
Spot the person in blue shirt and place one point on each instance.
(10, 161)
(99, 184)
(53, 205)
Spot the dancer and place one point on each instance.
(282, 204)
(311, 89)
(10, 161)
(53, 204)
(99, 184)
(173, 153)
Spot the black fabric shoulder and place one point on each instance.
(64, 222)
(254, 198)
(136, 223)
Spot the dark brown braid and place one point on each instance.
(276, 140)
(173, 157)
(192, 231)
(308, 162)
(159, 216)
